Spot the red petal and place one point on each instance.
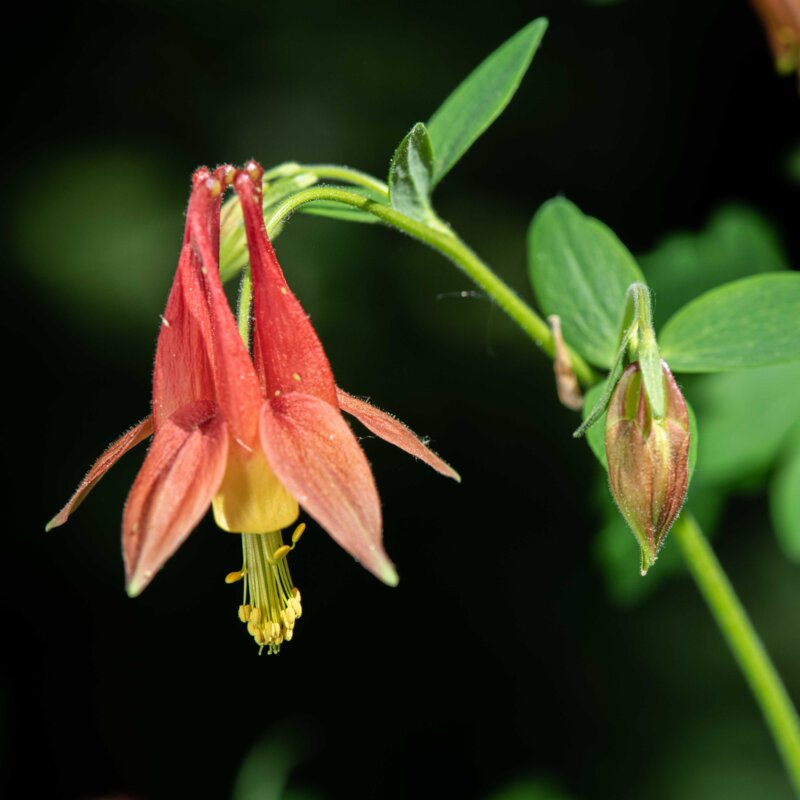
(287, 351)
(110, 456)
(316, 457)
(183, 371)
(183, 469)
(391, 430)
(236, 383)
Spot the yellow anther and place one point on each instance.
(289, 635)
(281, 552)
(294, 604)
(230, 174)
(298, 532)
(296, 377)
(271, 604)
(233, 577)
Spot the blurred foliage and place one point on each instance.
(793, 164)
(529, 789)
(736, 242)
(98, 234)
(785, 496)
(746, 417)
(266, 770)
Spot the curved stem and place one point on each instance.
(743, 641)
(333, 172)
(448, 244)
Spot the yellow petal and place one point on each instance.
(251, 498)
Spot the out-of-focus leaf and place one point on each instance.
(793, 165)
(784, 495)
(264, 773)
(747, 323)
(100, 235)
(411, 173)
(481, 97)
(581, 271)
(745, 417)
(529, 789)
(735, 243)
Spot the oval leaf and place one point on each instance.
(478, 101)
(580, 271)
(411, 173)
(752, 322)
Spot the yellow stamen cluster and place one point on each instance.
(271, 604)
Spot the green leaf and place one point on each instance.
(747, 323)
(411, 173)
(736, 242)
(596, 434)
(478, 101)
(580, 271)
(784, 495)
(746, 417)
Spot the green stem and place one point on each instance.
(333, 172)
(743, 641)
(448, 244)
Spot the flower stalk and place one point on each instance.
(745, 644)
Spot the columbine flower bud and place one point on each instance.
(648, 458)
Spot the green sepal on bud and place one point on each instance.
(648, 457)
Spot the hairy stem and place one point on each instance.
(333, 172)
(747, 649)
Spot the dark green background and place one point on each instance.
(500, 656)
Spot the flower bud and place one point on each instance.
(648, 458)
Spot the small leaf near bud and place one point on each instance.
(647, 458)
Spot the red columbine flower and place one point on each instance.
(252, 437)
